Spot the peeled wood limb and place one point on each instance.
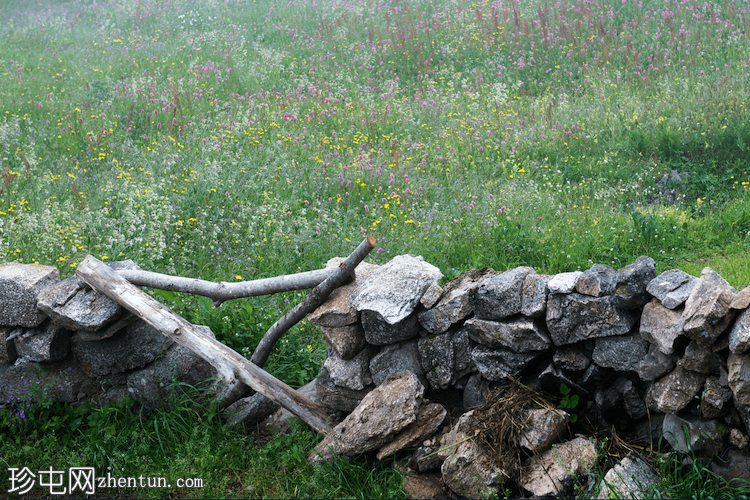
(223, 291)
(230, 365)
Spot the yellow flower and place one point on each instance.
(238, 277)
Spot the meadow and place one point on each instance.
(236, 140)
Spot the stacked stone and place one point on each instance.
(64, 341)
(628, 341)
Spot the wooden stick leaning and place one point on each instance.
(223, 291)
(229, 364)
(316, 297)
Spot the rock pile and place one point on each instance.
(637, 348)
(62, 340)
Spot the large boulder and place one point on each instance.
(394, 290)
(20, 288)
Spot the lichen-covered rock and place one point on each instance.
(630, 478)
(338, 310)
(738, 367)
(672, 287)
(396, 358)
(739, 336)
(376, 420)
(661, 326)
(597, 281)
(534, 295)
(20, 287)
(622, 353)
(437, 359)
(674, 391)
(707, 312)
(394, 290)
(431, 297)
(546, 475)
(499, 296)
(454, 304)
(716, 395)
(346, 340)
(631, 282)
(62, 381)
(575, 317)
(47, 342)
(518, 334)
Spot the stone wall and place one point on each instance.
(61, 340)
(628, 342)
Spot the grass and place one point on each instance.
(238, 139)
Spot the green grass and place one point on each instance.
(234, 140)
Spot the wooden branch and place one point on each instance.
(316, 297)
(230, 365)
(223, 291)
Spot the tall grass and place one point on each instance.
(234, 140)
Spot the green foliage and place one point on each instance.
(569, 401)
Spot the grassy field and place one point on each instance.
(235, 140)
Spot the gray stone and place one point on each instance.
(564, 282)
(8, 353)
(133, 347)
(462, 346)
(534, 295)
(455, 304)
(20, 287)
(630, 478)
(338, 310)
(597, 281)
(346, 340)
(499, 296)
(85, 310)
(661, 326)
(545, 475)
(429, 418)
(706, 314)
(674, 391)
(738, 367)
(62, 381)
(741, 300)
(394, 359)
(734, 466)
(464, 428)
(543, 427)
(716, 395)
(113, 395)
(380, 332)
(654, 364)
(437, 359)
(352, 373)
(426, 459)
(633, 404)
(553, 377)
(281, 419)
(621, 353)
(246, 411)
(394, 290)
(377, 419)
(476, 392)
(738, 440)
(519, 334)
(431, 297)
(338, 398)
(575, 317)
(47, 342)
(739, 336)
(701, 360)
(125, 320)
(571, 358)
(154, 385)
(743, 411)
(631, 282)
(619, 400)
(596, 376)
(704, 437)
(469, 472)
(672, 287)
(497, 364)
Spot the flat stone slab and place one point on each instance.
(429, 418)
(20, 287)
(545, 475)
(379, 332)
(497, 364)
(630, 478)
(338, 309)
(394, 290)
(381, 415)
(574, 317)
(519, 334)
(672, 287)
